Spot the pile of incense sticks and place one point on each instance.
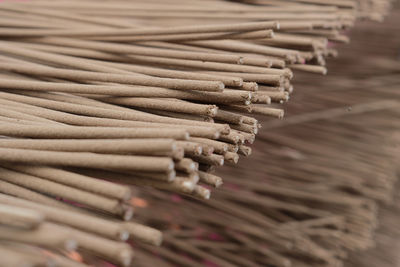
(100, 99)
(313, 210)
(309, 195)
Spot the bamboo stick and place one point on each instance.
(46, 234)
(19, 217)
(250, 26)
(75, 180)
(80, 76)
(79, 220)
(87, 160)
(80, 132)
(52, 188)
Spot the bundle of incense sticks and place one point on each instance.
(313, 211)
(310, 194)
(100, 98)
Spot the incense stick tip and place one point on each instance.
(123, 235)
(70, 245)
(221, 86)
(125, 257)
(128, 213)
(218, 183)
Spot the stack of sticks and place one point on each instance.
(100, 98)
(310, 194)
(313, 210)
